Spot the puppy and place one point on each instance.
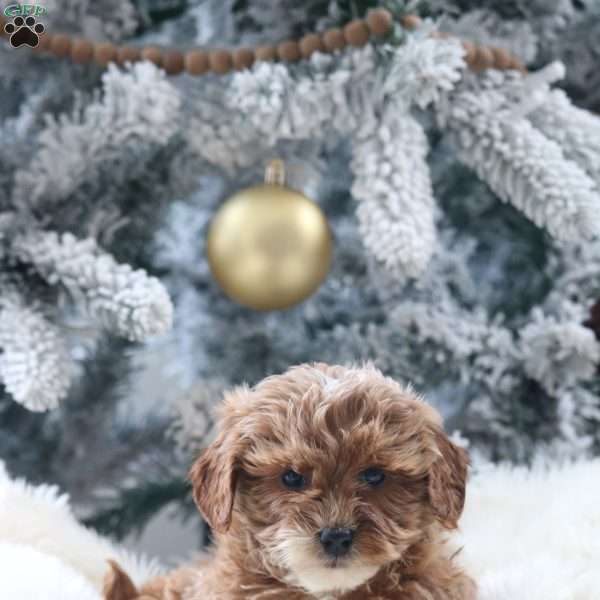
(326, 483)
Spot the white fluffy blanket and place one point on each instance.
(526, 535)
(45, 554)
(534, 534)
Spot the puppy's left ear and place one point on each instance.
(214, 479)
(448, 480)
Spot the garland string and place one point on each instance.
(379, 23)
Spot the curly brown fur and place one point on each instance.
(329, 424)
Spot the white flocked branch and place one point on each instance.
(135, 112)
(35, 367)
(558, 353)
(128, 302)
(393, 187)
(576, 130)
(521, 165)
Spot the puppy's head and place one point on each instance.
(335, 472)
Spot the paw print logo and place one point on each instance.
(24, 31)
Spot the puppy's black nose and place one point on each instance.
(336, 541)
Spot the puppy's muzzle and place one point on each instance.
(336, 541)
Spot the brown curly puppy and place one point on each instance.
(324, 483)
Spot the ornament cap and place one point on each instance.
(275, 172)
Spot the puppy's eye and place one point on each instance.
(293, 480)
(373, 476)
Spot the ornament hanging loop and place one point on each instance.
(275, 172)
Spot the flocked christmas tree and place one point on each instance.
(464, 206)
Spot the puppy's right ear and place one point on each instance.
(214, 480)
(118, 585)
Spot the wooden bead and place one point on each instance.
(128, 54)
(517, 65)
(82, 51)
(333, 39)
(104, 52)
(410, 21)
(440, 35)
(220, 61)
(265, 53)
(310, 44)
(470, 51)
(243, 58)
(196, 62)
(44, 43)
(289, 51)
(356, 33)
(173, 62)
(60, 45)
(484, 58)
(501, 58)
(152, 54)
(380, 22)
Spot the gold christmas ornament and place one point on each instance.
(269, 247)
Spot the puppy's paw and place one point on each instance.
(118, 585)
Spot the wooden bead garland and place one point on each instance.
(220, 61)
(469, 48)
(266, 53)
(289, 51)
(502, 58)
(380, 22)
(411, 21)
(44, 44)
(484, 58)
(153, 54)
(129, 54)
(516, 64)
(60, 45)
(173, 62)
(82, 51)
(334, 39)
(196, 62)
(243, 58)
(310, 44)
(104, 53)
(356, 33)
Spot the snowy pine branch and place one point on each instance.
(576, 130)
(128, 302)
(577, 409)
(486, 27)
(95, 19)
(193, 426)
(423, 69)
(328, 93)
(518, 162)
(35, 366)
(558, 354)
(136, 114)
(347, 92)
(396, 205)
